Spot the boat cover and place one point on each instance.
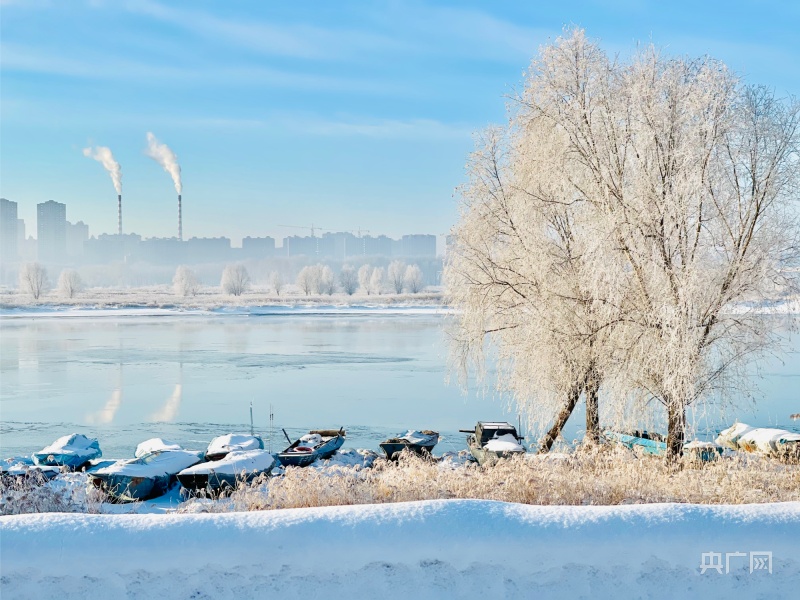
(154, 444)
(155, 464)
(234, 441)
(250, 461)
(76, 445)
(421, 438)
(504, 443)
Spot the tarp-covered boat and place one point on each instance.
(316, 444)
(767, 440)
(656, 444)
(418, 442)
(71, 451)
(492, 440)
(23, 468)
(155, 445)
(228, 471)
(241, 442)
(145, 477)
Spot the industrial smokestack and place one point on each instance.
(119, 214)
(180, 222)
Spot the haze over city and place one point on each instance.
(347, 116)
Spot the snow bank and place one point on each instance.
(434, 549)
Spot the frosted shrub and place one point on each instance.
(235, 280)
(33, 279)
(185, 282)
(69, 283)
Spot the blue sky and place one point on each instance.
(341, 114)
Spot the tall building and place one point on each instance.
(51, 229)
(258, 247)
(77, 235)
(9, 237)
(418, 245)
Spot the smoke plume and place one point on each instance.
(103, 155)
(166, 158)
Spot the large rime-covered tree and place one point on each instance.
(679, 188)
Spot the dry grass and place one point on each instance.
(599, 476)
(33, 493)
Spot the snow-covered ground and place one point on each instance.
(433, 549)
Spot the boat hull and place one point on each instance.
(487, 458)
(393, 449)
(303, 459)
(125, 488)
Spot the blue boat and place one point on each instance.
(142, 478)
(655, 444)
(71, 451)
(315, 445)
(226, 473)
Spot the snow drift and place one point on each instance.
(433, 549)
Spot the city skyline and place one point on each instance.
(359, 115)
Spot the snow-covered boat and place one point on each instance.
(776, 442)
(233, 442)
(23, 468)
(155, 445)
(145, 477)
(71, 451)
(656, 444)
(316, 444)
(418, 442)
(492, 440)
(237, 466)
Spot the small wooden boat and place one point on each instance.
(71, 451)
(23, 469)
(227, 472)
(155, 445)
(239, 442)
(142, 478)
(766, 440)
(491, 441)
(418, 442)
(656, 444)
(316, 444)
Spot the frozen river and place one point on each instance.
(187, 378)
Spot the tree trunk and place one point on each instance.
(561, 419)
(676, 424)
(592, 391)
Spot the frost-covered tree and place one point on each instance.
(69, 283)
(33, 279)
(396, 275)
(413, 279)
(184, 282)
(235, 279)
(365, 278)
(672, 186)
(276, 281)
(326, 279)
(348, 279)
(377, 280)
(307, 280)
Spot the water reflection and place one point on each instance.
(105, 415)
(169, 411)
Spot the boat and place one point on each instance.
(491, 441)
(154, 445)
(656, 444)
(237, 466)
(766, 440)
(241, 442)
(418, 442)
(71, 451)
(22, 468)
(316, 444)
(145, 477)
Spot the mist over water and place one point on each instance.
(190, 378)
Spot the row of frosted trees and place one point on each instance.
(314, 279)
(617, 235)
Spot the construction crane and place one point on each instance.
(313, 228)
